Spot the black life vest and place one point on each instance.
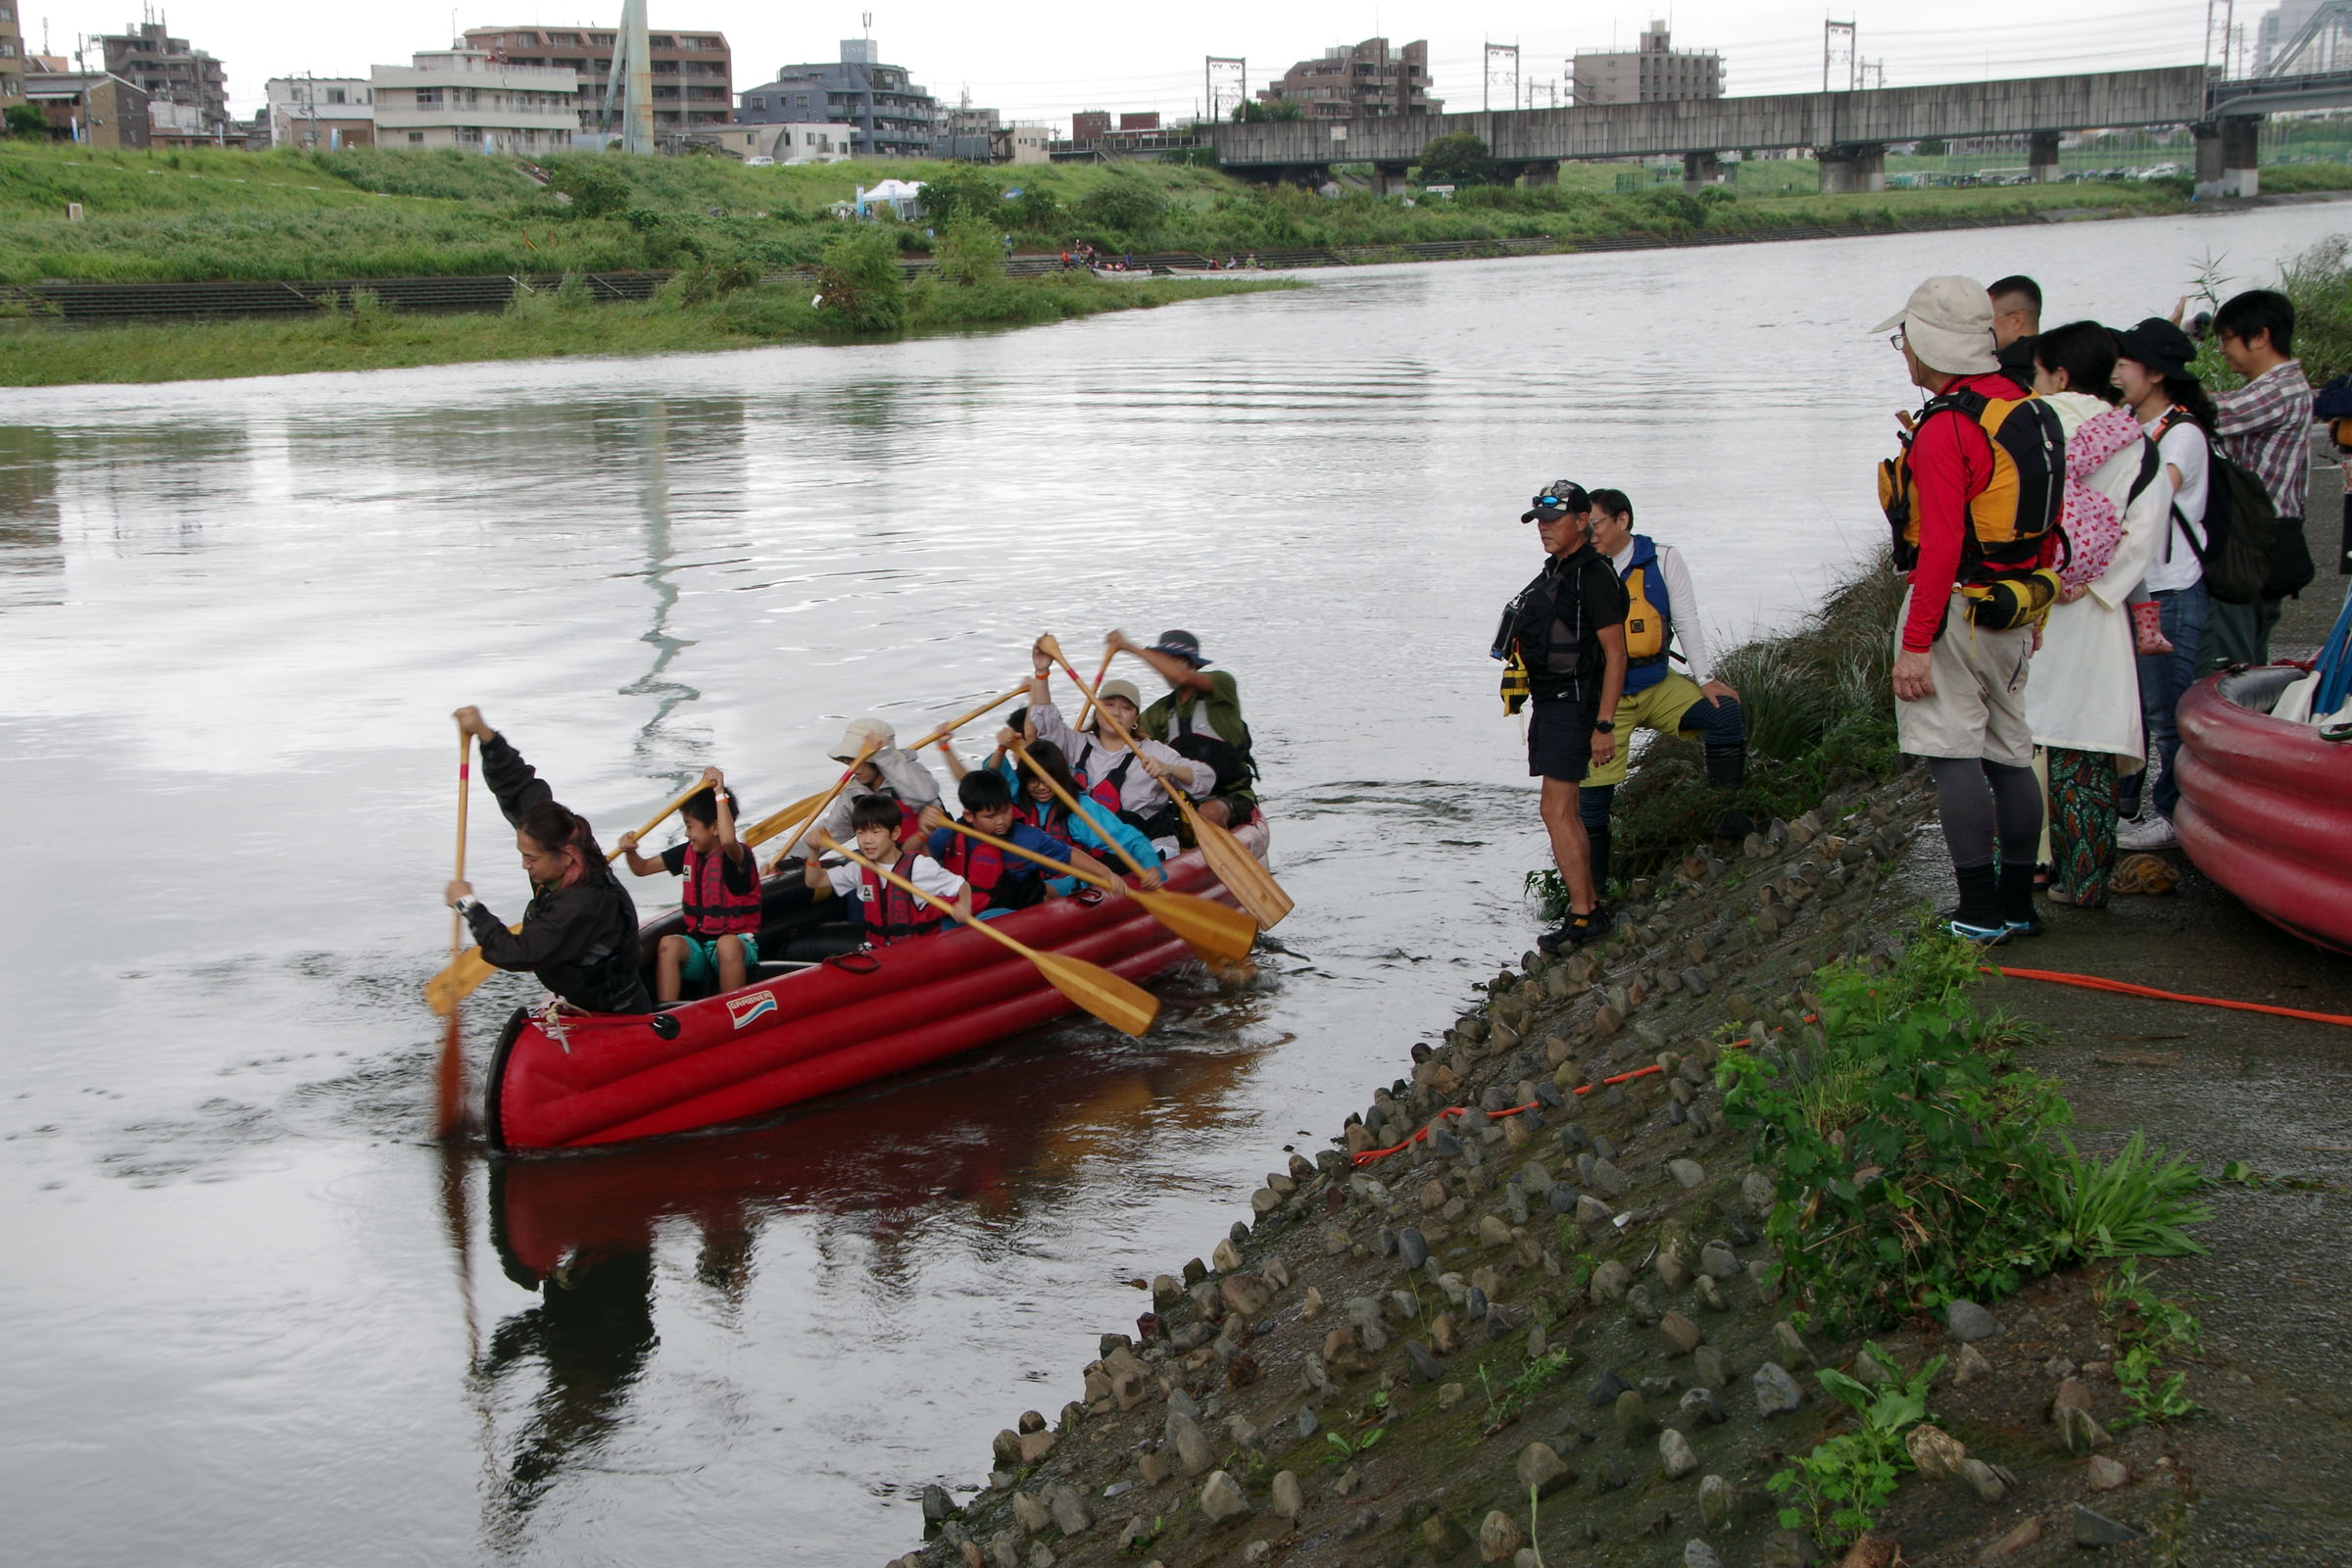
(1234, 765)
(1544, 629)
(2015, 511)
(1000, 881)
(890, 915)
(711, 908)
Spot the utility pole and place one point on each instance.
(1501, 58)
(1837, 43)
(1224, 79)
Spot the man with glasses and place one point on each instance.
(1567, 629)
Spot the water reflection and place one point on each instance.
(858, 1198)
(33, 560)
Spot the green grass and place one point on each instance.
(372, 213)
(546, 325)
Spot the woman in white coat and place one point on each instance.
(2084, 698)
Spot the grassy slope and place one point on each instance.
(367, 212)
(544, 327)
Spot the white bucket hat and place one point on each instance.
(860, 734)
(1948, 323)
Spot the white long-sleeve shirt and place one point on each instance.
(1139, 792)
(1682, 601)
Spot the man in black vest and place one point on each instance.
(1567, 627)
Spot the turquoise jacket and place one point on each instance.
(1093, 830)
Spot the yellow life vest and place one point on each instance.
(1646, 628)
(2018, 507)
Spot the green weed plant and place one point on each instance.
(2149, 1328)
(1910, 1156)
(1839, 1491)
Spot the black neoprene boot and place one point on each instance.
(2015, 884)
(1979, 918)
(1600, 839)
(1727, 772)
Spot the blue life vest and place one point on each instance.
(1648, 618)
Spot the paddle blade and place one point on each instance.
(1214, 930)
(461, 979)
(793, 816)
(449, 1082)
(1250, 884)
(1120, 1003)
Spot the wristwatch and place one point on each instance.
(1604, 727)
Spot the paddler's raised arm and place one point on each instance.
(514, 783)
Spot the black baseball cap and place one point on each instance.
(1556, 499)
(2160, 346)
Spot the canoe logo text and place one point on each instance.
(743, 1009)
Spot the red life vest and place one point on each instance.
(890, 915)
(711, 908)
(1105, 791)
(1000, 881)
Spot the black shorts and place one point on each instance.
(1559, 739)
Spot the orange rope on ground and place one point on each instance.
(1371, 1154)
(2092, 982)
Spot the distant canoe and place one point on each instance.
(1123, 274)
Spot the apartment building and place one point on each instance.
(693, 72)
(12, 56)
(895, 117)
(1653, 73)
(464, 98)
(90, 107)
(168, 71)
(1366, 80)
(330, 112)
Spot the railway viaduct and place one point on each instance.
(1848, 131)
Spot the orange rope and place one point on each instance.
(1371, 1154)
(2092, 982)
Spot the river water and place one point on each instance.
(256, 1317)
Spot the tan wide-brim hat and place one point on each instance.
(1948, 323)
(863, 733)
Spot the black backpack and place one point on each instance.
(2239, 525)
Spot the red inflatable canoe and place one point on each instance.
(2266, 806)
(793, 1034)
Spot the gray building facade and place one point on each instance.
(894, 115)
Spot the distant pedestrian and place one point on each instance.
(2016, 323)
(2265, 428)
(1975, 552)
(2152, 371)
(1567, 630)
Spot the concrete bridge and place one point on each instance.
(1848, 131)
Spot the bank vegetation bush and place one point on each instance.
(1918, 1161)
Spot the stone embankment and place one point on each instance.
(1545, 1330)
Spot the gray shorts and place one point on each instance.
(1979, 708)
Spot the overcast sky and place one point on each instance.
(1041, 62)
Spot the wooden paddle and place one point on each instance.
(1211, 929)
(1236, 867)
(822, 800)
(1088, 707)
(469, 968)
(1121, 1004)
(449, 1076)
(802, 811)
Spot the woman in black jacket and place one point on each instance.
(579, 931)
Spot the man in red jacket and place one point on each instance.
(1960, 688)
